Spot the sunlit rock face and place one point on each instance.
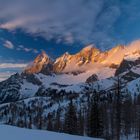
(67, 62)
(89, 60)
(41, 62)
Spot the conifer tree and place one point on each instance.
(70, 125)
(96, 121)
(49, 122)
(80, 122)
(58, 124)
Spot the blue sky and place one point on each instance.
(29, 26)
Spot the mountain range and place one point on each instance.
(46, 86)
(72, 72)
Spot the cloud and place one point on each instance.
(12, 65)
(5, 75)
(13, 24)
(85, 21)
(8, 69)
(22, 48)
(8, 44)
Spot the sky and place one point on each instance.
(29, 26)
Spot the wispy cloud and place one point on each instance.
(87, 21)
(8, 44)
(11, 65)
(23, 48)
(8, 69)
(5, 75)
(67, 21)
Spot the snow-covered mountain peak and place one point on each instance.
(70, 63)
(41, 61)
(132, 56)
(90, 48)
(42, 58)
(116, 50)
(134, 45)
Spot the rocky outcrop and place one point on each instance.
(10, 89)
(126, 65)
(92, 79)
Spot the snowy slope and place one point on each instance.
(134, 87)
(69, 79)
(136, 69)
(14, 133)
(28, 89)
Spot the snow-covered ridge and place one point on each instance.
(87, 59)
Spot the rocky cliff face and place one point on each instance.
(42, 62)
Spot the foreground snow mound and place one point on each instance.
(15, 133)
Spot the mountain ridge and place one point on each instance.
(83, 59)
(74, 72)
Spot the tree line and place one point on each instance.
(110, 115)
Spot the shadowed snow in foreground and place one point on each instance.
(14, 133)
